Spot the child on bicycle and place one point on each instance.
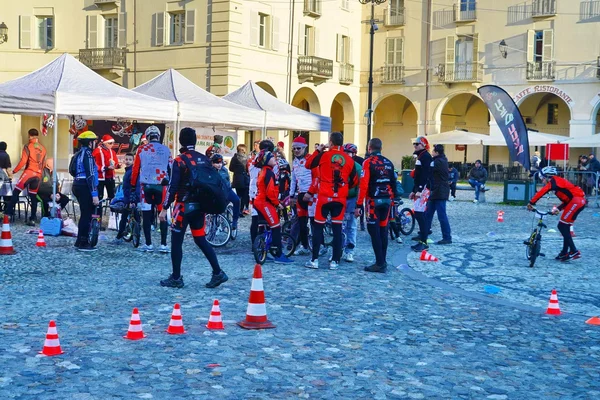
(219, 165)
(130, 198)
(573, 202)
(266, 201)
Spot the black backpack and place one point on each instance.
(206, 187)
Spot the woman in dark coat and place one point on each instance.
(440, 191)
(241, 178)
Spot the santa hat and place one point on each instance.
(107, 138)
(299, 142)
(280, 144)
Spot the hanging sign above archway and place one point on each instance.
(544, 89)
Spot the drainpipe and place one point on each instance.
(427, 65)
(209, 41)
(288, 88)
(134, 43)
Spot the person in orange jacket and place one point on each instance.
(33, 159)
(106, 162)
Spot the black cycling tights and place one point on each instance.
(148, 221)
(177, 252)
(379, 240)
(253, 229)
(568, 244)
(318, 239)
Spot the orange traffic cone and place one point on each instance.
(553, 308)
(51, 344)
(41, 242)
(176, 323)
(593, 321)
(6, 245)
(500, 216)
(425, 256)
(572, 231)
(135, 331)
(256, 314)
(215, 321)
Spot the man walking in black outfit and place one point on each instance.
(422, 177)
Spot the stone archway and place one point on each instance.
(395, 123)
(306, 99)
(267, 88)
(342, 117)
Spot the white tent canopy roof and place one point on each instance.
(199, 106)
(535, 139)
(462, 137)
(455, 137)
(279, 115)
(586, 141)
(67, 87)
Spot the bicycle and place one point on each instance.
(229, 215)
(534, 243)
(95, 224)
(406, 223)
(133, 228)
(218, 230)
(262, 243)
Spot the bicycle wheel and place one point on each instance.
(407, 221)
(327, 234)
(533, 249)
(288, 246)
(259, 249)
(218, 230)
(128, 234)
(135, 235)
(94, 232)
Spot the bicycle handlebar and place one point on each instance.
(542, 212)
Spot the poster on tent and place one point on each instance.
(205, 139)
(127, 135)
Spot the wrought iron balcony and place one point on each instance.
(460, 72)
(598, 68)
(541, 71)
(392, 74)
(543, 8)
(314, 69)
(468, 14)
(346, 73)
(589, 9)
(312, 8)
(107, 58)
(394, 16)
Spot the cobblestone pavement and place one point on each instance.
(340, 334)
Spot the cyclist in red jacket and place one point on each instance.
(573, 202)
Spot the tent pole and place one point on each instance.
(176, 133)
(55, 166)
(264, 128)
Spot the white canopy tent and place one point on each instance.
(277, 114)
(535, 139)
(455, 137)
(462, 137)
(586, 141)
(66, 87)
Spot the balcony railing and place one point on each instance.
(314, 69)
(312, 8)
(543, 8)
(589, 9)
(469, 13)
(346, 73)
(392, 74)
(107, 58)
(598, 68)
(394, 17)
(460, 72)
(541, 71)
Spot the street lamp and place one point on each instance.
(3, 33)
(372, 23)
(503, 48)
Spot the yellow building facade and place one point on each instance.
(303, 52)
(431, 56)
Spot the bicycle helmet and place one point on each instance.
(422, 140)
(153, 133)
(87, 135)
(263, 158)
(216, 158)
(350, 148)
(548, 172)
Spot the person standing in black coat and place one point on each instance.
(241, 178)
(422, 177)
(440, 192)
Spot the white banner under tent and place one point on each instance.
(65, 87)
(472, 138)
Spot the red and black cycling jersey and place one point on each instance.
(337, 172)
(180, 176)
(378, 180)
(268, 190)
(563, 189)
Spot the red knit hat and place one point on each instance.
(280, 144)
(107, 138)
(299, 141)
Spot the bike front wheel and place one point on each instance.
(94, 232)
(218, 230)
(135, 234)
(533, 248)
(407, 221)
(288, 246)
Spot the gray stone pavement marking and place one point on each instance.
(340, 334)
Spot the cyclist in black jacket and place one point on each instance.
(422, 177)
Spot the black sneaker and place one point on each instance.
(172, 282)
(86, 247)
(216, 280)
(444, 241)
(574, 255)
(560, 256)
(420, 247)
(376, 268)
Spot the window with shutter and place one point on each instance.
(25, 32)
(548, 45)
(190, 26)
(450, 58)
(92, 32)
(176, 28)
(302, 39)
(275, 34)
(122, 37)
(111, 32)
(160, 29)
(253, 28)
(45, 37)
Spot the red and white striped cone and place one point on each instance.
(553, 307)
(176, 323)
(425, 256)
(40, 240)
(51, 344)
(256, 314)
(6, 245)
(135, 331)
(500, 216)
(215, 321)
